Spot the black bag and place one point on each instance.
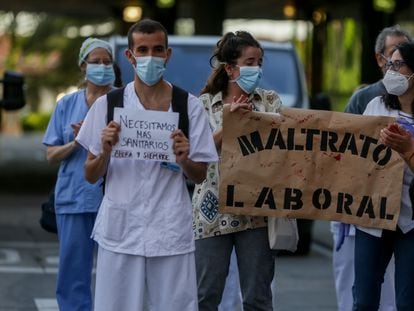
(48, 217)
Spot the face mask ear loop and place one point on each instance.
(224, 63)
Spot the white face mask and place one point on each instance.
(149, 68)
(396, 83)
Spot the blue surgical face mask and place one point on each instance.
(100, 74)
(249, 78)
(149, 69)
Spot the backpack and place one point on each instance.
(178, 103)
(48, 217)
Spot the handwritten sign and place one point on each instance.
(310, 164)
(145, 134)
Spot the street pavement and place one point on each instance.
(29, 258)
(29, 255)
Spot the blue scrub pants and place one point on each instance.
(76, 251)
(372, 255)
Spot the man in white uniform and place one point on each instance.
(144, 225)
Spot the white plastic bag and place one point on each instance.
(283, 233)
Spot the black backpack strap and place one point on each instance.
(115, 98)
(179, 104)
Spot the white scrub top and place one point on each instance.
(146, 209)
(376, 107)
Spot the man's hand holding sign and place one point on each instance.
(146, 135)
(310, 164)
(150, 135)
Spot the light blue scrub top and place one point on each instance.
(73, 194)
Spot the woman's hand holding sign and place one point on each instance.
(238, 103)
(241, 103)
(399, 139)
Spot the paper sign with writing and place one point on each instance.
(309, 164)
(145, 134)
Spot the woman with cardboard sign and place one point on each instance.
(375, 247)
(237, 63)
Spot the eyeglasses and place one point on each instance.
(396, 65)
(98, 62)
(387, 59)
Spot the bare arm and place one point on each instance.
(196, 171)
(56, 154)
(96, 166)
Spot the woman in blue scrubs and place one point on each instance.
(77, 201)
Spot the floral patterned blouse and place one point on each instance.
(207, 221)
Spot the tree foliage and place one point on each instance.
(48, 57)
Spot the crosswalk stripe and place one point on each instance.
(27, 270)
(25, 244)
(31, 270)
(43, 304)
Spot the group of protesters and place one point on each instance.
(162, 250)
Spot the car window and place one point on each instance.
(280, 73)
(189, 67)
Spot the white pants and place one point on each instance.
(343, 268)
(125, 282)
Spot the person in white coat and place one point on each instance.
(144, 225)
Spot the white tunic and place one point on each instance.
(146, 209)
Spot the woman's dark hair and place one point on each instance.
(229, 48)
(406, 50)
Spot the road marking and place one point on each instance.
(20, 244)
(43, 304)
(27, 270)
(31, 270)
(9, 256)
(52, 260)
(322, 250)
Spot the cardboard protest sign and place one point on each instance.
(145, 134)
(309, 164)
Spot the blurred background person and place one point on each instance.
(76, 200)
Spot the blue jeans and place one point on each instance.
(255, 261)
(372, 255)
